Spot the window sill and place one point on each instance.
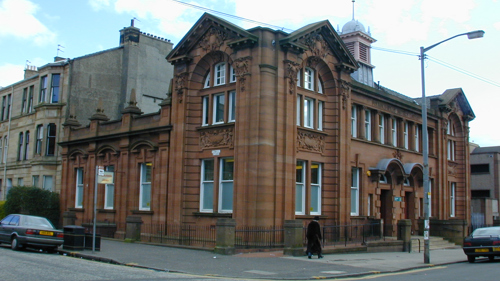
(141, 212)
(214, 215)
(76, 209)
(310, 217)
(106, 210)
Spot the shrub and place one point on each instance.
(2, 210)
(30, 200)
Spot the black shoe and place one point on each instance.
(320, 257)
(309, 255)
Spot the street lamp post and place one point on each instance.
(425, 140)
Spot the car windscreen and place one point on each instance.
(37, 222)
(481, 232)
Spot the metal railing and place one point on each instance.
(357, 234)
(186, 235)
(259, 237)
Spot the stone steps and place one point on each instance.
(434, 243)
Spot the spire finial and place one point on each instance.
(353, 9)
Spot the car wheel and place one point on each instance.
(491, 258)
(471, 259)
(52, 250)
(14, 244)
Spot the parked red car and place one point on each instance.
(30, 231)
(483, 242)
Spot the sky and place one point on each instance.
(35, 31)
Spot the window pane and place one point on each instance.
(315, 173)
(208, 196)
(208, 174)
(110, 196)
(354, 201)
(299, 199)
(205, 110)
(219, 108)
(227, 169)
(232, 106)
(146, 196)
(47, 183)
(55, 88)
(146, 172)
(315, 194)
(227, 196)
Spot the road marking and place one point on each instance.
(333, 272)
(261, 272)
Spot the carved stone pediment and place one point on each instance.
(217, 138)
(309, 141)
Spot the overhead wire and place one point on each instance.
(232, 16)
(401, 52)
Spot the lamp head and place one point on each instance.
(475, 34)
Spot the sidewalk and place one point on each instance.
(268, 265)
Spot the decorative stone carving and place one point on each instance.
(346, 90)
(452, 167)
(242, 69)
(317, 45)
(217, 138)
(310, 142)
(213, 39)
(181, 84)
(291, 69)
(397, 154)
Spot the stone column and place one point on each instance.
(404, 233)
(294, 230)
(133, 231)
(224, 243)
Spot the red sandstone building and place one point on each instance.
(264, 126)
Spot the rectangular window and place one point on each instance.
(47, 183)
(9, 104)
(309, 79)
(308, 113)
(145, 188)
(26, 145)
(20, 182)
(480, 168)
(20, 148)
(354, 121)
(39, 139)
(405, 135)
(207, 186)
(453, 188)
(381, 128)
(315, 189)
(233, 75)
(207, 81)
(394, 132)
(5, 148)
(54, 89)
(9, 185)
(51, 139)
(451, 150)
(1, 150)
(417, 139)
(300, 188)
(206, 110)
(320, 115)
(43, 89)
(368, 124)
(218, 109)
(109, 191)
(226, 185)
(299, 111)
(35, 180)
(79, 188)
(232, 106)
(369, 207)
(30, 99)
(4, 107)
(220, 74)
(355, 173)
(24, 100)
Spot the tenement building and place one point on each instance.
(264, 126)
(68, 90)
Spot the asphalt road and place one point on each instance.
(33, 265)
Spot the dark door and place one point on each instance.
(386, 211)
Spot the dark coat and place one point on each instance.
(314, 237)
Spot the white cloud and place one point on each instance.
(99, 4)
(17, 19)
(10, 74)
(497, 25)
